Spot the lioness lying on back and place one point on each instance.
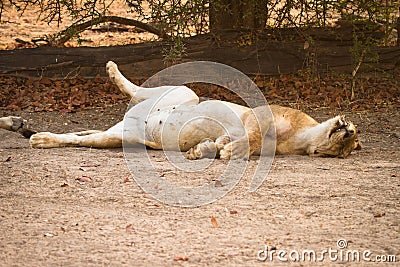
(177, 121)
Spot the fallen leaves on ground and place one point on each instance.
(62, 95)
(377, 91)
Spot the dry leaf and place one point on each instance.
(379, 214)
(84, 179)
(218, 184)
(129, 228)
(214, 222)
(180, 258)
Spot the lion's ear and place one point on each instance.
(359, 145)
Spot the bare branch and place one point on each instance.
(74, 29)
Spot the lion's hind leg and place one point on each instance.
(168, 95)
(257, 122)
(118, 79)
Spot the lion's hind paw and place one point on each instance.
(112, 70)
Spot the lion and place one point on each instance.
(173, 118)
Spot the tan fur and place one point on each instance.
(298, 133)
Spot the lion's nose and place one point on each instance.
(348, 133)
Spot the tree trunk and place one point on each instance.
(398, 30)
(238, 14)
(141, 61)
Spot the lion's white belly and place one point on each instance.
(182, 127)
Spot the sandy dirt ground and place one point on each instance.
(81, 206)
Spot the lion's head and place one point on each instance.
(341, 140)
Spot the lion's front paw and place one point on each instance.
(341, 121)
(44, 140)
(338, 123)
(238, 149)
(206, 149)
